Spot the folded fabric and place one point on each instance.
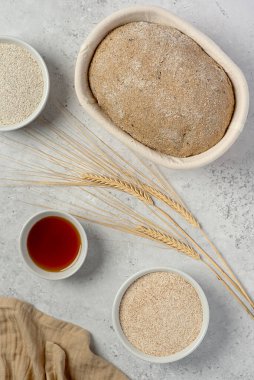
(35, 346)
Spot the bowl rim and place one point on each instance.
(70, 270)
(160, 15)
(46, 81)
(160, 359)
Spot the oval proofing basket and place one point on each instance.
(161, 16)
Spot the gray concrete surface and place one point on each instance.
(221, 196)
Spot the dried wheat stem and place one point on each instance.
(142, 195)
(168, 240)
(118, 184)
(171, 227)
(189, 251)
(204, 253)
(163, 183)
(191, 220)
(173, 204)
(233, 276)
(187, 215)
(230, 290)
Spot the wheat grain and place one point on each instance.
(118, 184)
(169, 240)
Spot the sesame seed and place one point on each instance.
(22, 84)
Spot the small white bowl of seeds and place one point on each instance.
(24, 82)
(160, 315)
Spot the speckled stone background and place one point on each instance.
(221, 195)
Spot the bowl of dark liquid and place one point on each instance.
(53, 244)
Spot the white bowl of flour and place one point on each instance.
(161, 315)
(24, 82)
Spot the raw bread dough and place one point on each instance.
(162, 88)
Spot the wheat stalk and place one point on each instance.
(142, 195)
(118, 184)
(168, 240)
(224, 261)
(231, 291)
(187, 215)
(207, 256)
(67, 159)
(182, 210)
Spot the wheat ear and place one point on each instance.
(189, 251)
(173, 204)
(118, 184)
(143, 195)
(168, 240)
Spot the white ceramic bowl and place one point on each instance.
(69, 271)
(45, 74)
(161, 16)
(160, 359)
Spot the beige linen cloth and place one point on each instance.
(35, 346)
